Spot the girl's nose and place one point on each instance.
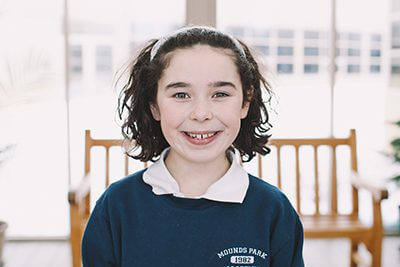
(201, 111)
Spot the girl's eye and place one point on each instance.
(220, 94)
(181, 95)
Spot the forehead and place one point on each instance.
(201, 61)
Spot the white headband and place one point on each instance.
(162, 40)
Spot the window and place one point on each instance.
(354, 36)
(311, 27)
(311, 35)
(341, 36)
(353, 52)
(395, 69)
(235, 31)
(375, 52)
(395, 66)
(260, 33)
(263, 49)
(311, 51)
(285, 68)
(376, 37)
(375, 68)
(353, 68)
(285, 51)
(310, 68)
(76, 59)
(103, 59)
(396, 34)
(32, 118)
(285, 34)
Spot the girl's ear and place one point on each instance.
(155, 112)
(245, 110)
(246, 105)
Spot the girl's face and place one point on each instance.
(200, 103)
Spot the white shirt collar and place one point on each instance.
(231, 187)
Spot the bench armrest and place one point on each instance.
(378, 191)
(80, 191)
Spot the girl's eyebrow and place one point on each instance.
(176, 85)
(211, 84)
(221, 84)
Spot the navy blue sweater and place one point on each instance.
(131, 226)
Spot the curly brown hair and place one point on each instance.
(139, 127)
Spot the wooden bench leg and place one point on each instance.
(75, 237)
(353, 250)
(377, 253)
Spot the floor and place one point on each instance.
(317, 253)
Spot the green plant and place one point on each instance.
(395, 155)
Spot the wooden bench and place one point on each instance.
(330, 223)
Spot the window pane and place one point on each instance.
(375, 53)
(376, 37)
(354, 36)
(103, 59)
(396, 34)
(33, 178)
(236, 31)
(285, 51)
(76, 60)
(285, 33)
(362, 80)
(310, 68)
(352, 68)
(353, 52)
(311, 35)
(260, 32)
(290, 31)
(375, 68)
(285, 68)
(32, 97)
(311, 51)
(263, 49)
(395, 66)
(361, 27)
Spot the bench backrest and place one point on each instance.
(314, 178)
(316, 193)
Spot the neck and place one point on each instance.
(194, 178)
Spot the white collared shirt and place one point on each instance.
(231, 187)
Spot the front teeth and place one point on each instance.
(201, 136)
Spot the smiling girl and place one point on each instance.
(193, 104)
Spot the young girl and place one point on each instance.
(194, 102)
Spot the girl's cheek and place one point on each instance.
(233, 107)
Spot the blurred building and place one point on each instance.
(395, 44)
(305, 52)
(392, 112)
(286, 51)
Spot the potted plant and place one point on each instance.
(395, 156)
(4, 154)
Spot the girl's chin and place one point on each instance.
(202, 156)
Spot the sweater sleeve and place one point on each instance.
(97, 244)
(291, 253)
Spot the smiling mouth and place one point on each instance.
(201, 135)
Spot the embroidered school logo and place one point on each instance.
(243, 256)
